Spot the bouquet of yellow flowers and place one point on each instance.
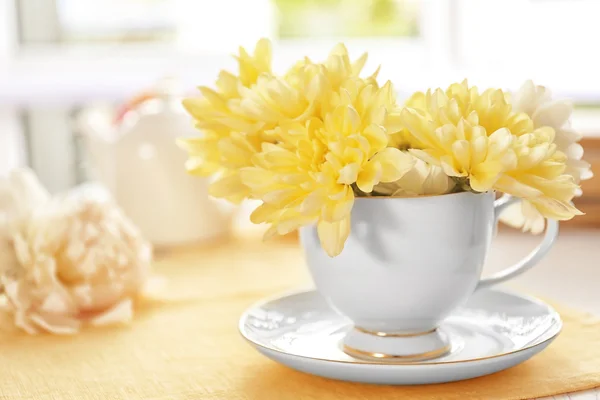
(308, 142)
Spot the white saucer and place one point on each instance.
(495, 330)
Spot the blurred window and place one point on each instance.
(116, 20)
(163, 20)
(63, 54)
(347, 18)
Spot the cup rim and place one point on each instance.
(423, 196)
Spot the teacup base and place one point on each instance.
(400, 347)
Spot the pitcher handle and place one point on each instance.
(532, 258)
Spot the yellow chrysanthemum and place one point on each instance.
(373, 104)
(480, 141)
(359, 154)
(460, 101)
(536, 101)
(309, 176)
(463, 151)
(305, 143)
(238, 116)
(274, 100)
(539, 175)
(307, 90)
(212, 111)
(228, 138)
(341, 83)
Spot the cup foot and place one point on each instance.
(400, 347)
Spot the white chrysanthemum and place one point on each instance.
(536, 101)
(73, 260)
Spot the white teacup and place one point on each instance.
(407, 264)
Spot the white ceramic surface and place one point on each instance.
(408, 263)
(139, 162)
(493, 331)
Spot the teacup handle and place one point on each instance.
(530, 260)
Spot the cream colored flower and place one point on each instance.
(536, 101)
(525, 216)
(423, 179)
(77, 260)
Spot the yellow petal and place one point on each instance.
(333, 235)
(229, 187)
(291, 224)
(349, 174)
(235, 156)
(264, 213)
(448, 166)
(461, 150)
(314, 202)
(376, 137)
(339, 209)
(281, 159)
(369, 176)
(282, 197)
(195, 106)
(524, 216)
(263, 54)
(318, 85)
(425, 156)
(256, 178)
(359, 64)
(213, 97)
(417, 100)
(510, 185)
(419, 126)
(270, 233)
(552, 208)
(479, 149)
(394, 164)
(227, 84)
(483, 183)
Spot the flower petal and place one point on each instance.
(333, 235)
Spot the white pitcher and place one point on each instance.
(137, 159)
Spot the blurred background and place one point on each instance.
(59, 58)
